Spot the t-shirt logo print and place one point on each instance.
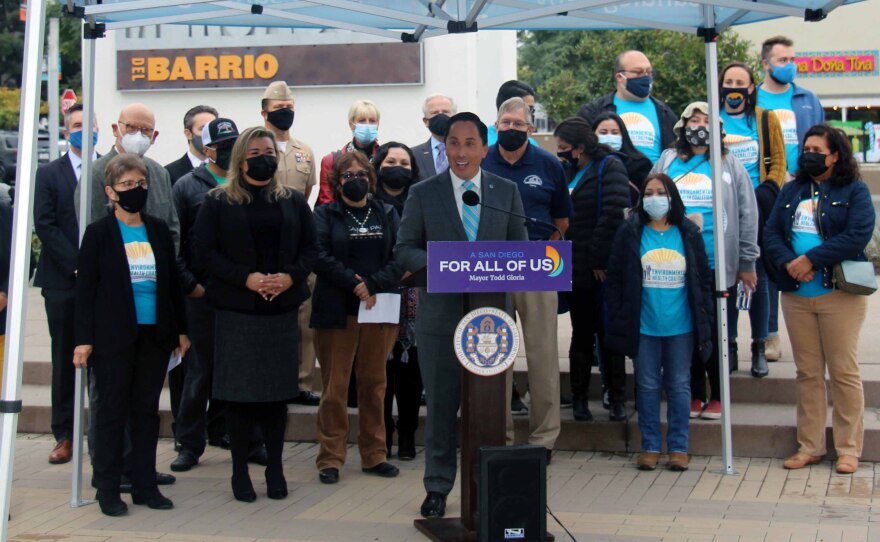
(695, 190)
(641, 130)
(804, 218)
(533, 180)
(663, 268)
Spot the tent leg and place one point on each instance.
(718, 216)
(88, 67)
(19, 272)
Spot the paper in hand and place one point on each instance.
(385, 311)
(175, 360)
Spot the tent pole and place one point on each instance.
(88, 101)
(710, 37)
(20, 261)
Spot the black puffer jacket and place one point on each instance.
(766, 194)
(624, 288)
(592, 235)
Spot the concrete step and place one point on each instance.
(759, 429)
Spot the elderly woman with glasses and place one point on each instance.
(129, 322)
(356, 234)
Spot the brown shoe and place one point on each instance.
(847, 464)
(647, 460)
(62, 452)
(678, 461)
(801, 460)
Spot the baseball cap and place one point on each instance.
(219, 130)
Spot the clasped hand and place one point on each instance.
(801, 269)
(269, 286)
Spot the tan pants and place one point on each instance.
(537, 323)
(824, 332)
(337, 350)
(306, 342)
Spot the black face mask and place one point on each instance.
(697, 136)
(281, 118)
(261, 168)
(511, 140)
(568, 158)
(132, 200)
(439, 125)
(224, 154)
(813, 164)
(355, 189)
(395, 177)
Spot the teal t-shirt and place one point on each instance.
(220, 180)
(643, 126)
(665, 308)
(781, 105)
(142, 269)
(694, 182)
(742, 141)
(805, 237)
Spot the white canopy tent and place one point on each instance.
(407, 20)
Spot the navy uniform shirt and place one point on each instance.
(542, 186)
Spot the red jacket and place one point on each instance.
(325, 193)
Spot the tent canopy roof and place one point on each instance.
(417, 19)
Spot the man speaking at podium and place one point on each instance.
(435, 212)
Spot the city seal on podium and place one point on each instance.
(486, 341)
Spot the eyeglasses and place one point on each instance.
(639, 73)
(130, 129)
(128, 185)
(517, 124)
(362, 174)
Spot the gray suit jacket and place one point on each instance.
(431, 214)
(424, 156)
(159, 202)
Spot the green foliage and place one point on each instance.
(571, 68)
(10, 108)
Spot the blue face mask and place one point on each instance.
(615, 141)
(366, 133)
(656, 206)
(76, 140)
(783, 74)
(640, 87)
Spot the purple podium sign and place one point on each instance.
(499, 266)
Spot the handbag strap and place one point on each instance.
(765, 140)
(695, 166)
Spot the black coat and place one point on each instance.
(591, 236)
(335, 277)
(105, 309)
(665, 116)
(179, 168)
(225, 248)
(765, 195)
(624, 288)
(56, 225)
(188, 195)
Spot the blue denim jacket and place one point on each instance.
(807, 112)
(847, 223)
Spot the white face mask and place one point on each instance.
(136, 143)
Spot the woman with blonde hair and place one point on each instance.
(256, 240)
(363, 121)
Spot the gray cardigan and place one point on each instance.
(738, 198)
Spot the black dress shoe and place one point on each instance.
(383, 469)
(185, 461)
(259, 455)
(125, 484)
(220, 442)
(243, 489)
(434, 505)
(163, 479)
(308, 398)
(565, 401)
(328, 475)
(406, 447)
(153, 499)
(580, 410)
(617, 412)
(276, 486)
(110, 503)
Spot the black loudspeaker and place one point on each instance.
(513, 494)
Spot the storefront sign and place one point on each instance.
(248, 67)
(499, 266)
(837, 64)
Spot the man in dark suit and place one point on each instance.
(56, 225)
(431, 155)
(193, 121)
(435, 212)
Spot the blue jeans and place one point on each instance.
(773, 324)
(759, 313)
(664, 362)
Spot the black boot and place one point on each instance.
(732, 354)
(759, 360)
(581, 410)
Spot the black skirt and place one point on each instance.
(256, 357)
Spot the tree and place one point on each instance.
(570, 68)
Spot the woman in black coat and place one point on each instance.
(129, 321)
(356, 235)
(611, 131)
(599, 188)
(256, 239)
(659, 304)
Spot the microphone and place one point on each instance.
(472, 199)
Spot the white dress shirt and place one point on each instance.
(458, 189)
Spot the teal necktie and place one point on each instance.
(469, 216)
